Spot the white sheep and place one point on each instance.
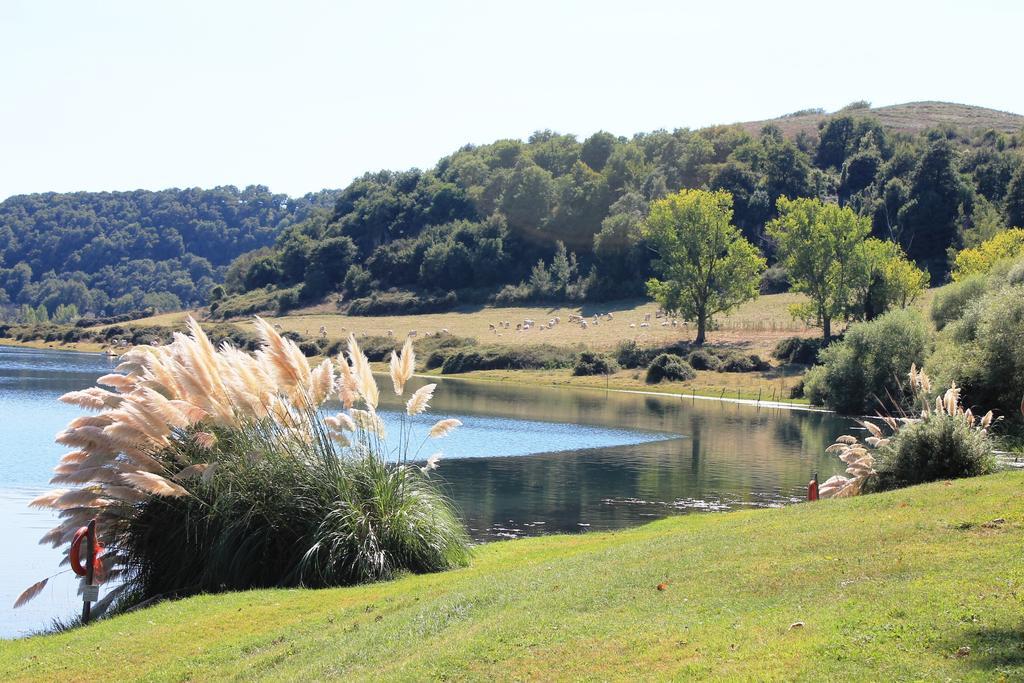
(645, 324)
(583, 324)
(632, 325)
(391, 333)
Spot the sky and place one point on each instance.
(305, 95)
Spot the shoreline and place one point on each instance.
(73, 347)
(639, 392)
(518, 379)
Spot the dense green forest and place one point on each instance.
(108, 253)
(551, 218)
(558, 218)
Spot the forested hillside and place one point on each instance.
(556, 218)
(551, 218)
(124, 252)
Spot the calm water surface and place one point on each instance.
(526, 461)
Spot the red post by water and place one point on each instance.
(90, 540)
(812, 489)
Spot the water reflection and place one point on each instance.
(529, 460)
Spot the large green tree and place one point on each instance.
(706, 265)
(821, 247)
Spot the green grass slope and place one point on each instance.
(920, 584)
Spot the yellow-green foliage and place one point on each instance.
(1006, 244)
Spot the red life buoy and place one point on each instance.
(76, 550)
(75, 556)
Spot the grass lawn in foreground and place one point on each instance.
(925, 583)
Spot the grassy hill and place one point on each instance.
(911, 117)
(920, 584)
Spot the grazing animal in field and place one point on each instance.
(632, 325)
(491, 327)
(444, 330)
(557, 320)
(645, 324)
(647, 317)
(391, 333)
(583, 324)
(519, 327)
(412, 333)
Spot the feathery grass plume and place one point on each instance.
(340, 422)
(365, 384)
(420, 399)
(228, 454)
(30, 592)
(432, 462)
(444, 427)
(402, 367)
(154, 484)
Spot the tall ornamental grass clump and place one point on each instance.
(210, 469)
(945, 441)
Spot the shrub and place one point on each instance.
(800, 350)
(671, 367)
(741, 362)
(982, 351)
(864, 371)
(702, 359)
(540, 357)
(287, 299)
(629, 354)
(952, 301)
(775, 280)
(946, 442)
(938, 447)
(590, 363)
(242, 482)
(399, 302)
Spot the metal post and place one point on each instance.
(90, 539)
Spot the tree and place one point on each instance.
(596, 149)
(929, 220)
(706, 265)
(979, 260)
(527, 200)
(821, 247)
(890, 279)
(329, 260)
(1015, 198)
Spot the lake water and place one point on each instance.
(526, 461)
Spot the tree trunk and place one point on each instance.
(702, 324)
(826, 325)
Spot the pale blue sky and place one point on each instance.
(302, 95)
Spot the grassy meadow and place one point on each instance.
(754, 327)
(837, 590)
